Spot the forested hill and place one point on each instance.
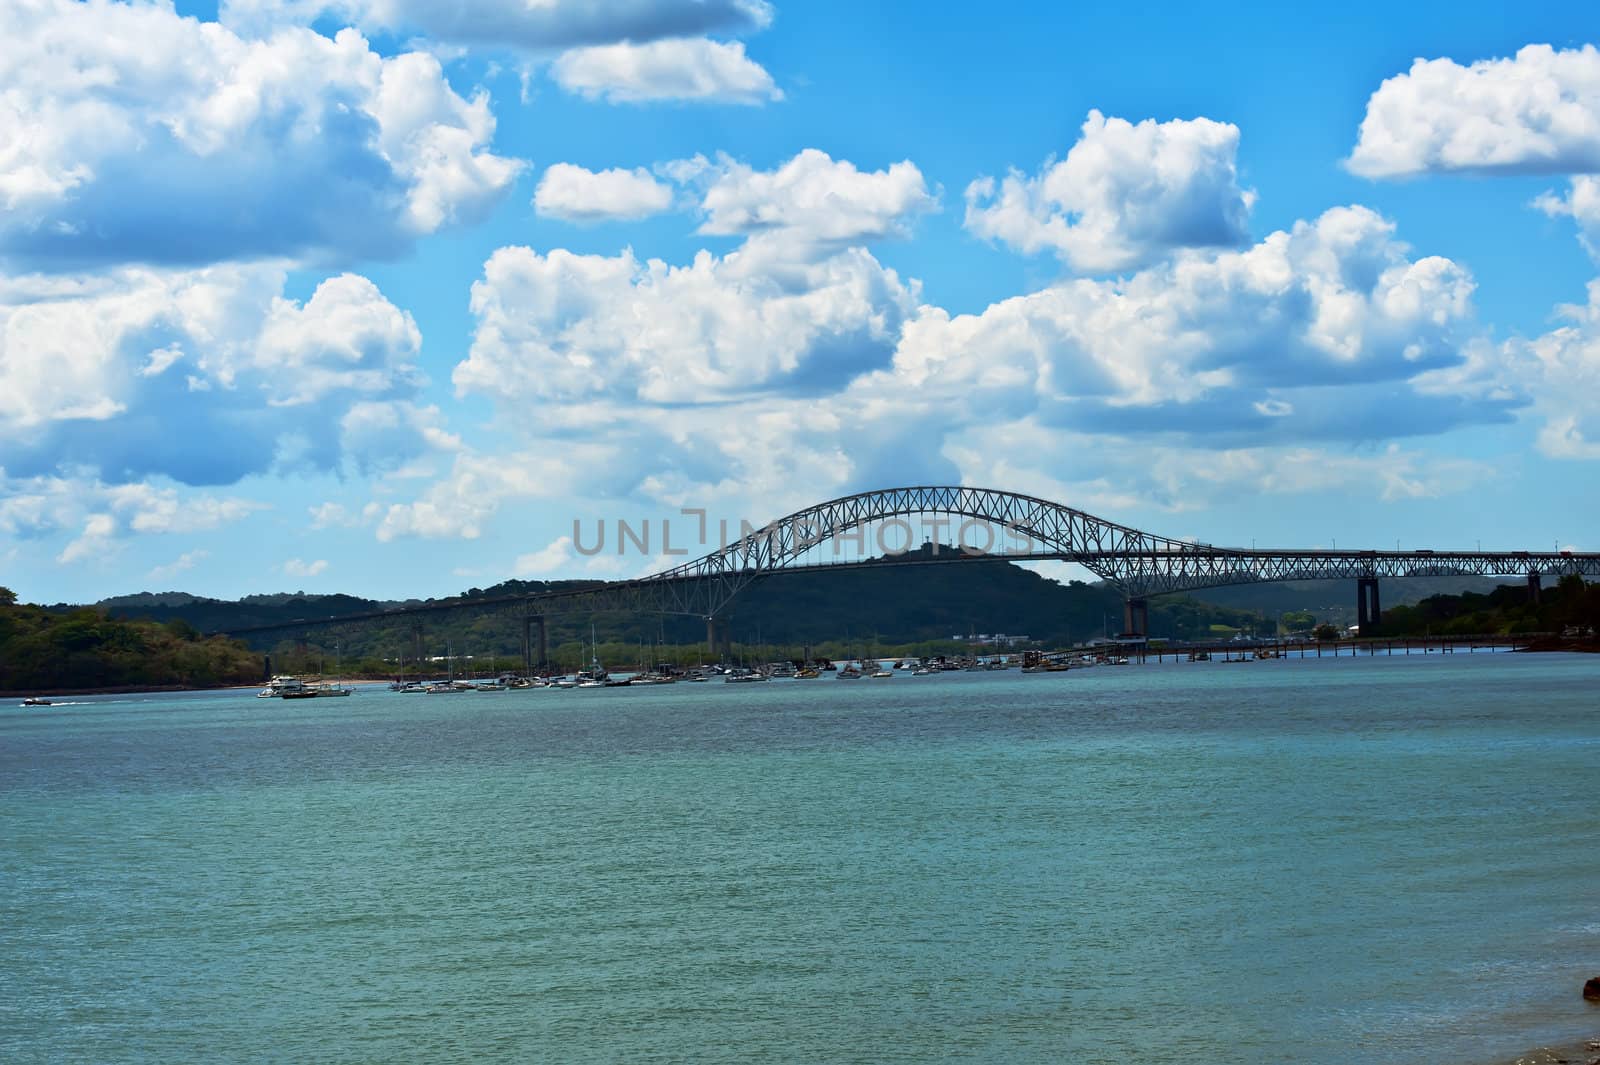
(893, 605)
(154, 638)
(226, 615)
(49, 650)
(1335, 601)
(1570, 607)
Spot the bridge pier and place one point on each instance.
(417, 648)
(535, 653)
(719, 643)
(1533, 587)
(1136, 616)
(1369, 612)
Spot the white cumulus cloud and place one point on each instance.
(1562, 368)
(576, 194)
(182, 564)
(125, 371)
(561, 559)
(694, 68)
(146, 508)
(565, 327)
(1329, 335)
(536, 26)
(1581, 204)
(95, 540)
(798, 363)
(346, 337)
(131, 134)
(1536, 112)
(1115, 475)
(1125, 195)
(296, 567)
(1214, 345)
(459, 505)
(38, 506)
(812, 199)
(799, 307)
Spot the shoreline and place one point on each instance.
(156, 689)
(1549, 645)
(1578, 644)
(121, 689)
(1583, 1052)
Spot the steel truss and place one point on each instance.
(1020, 528)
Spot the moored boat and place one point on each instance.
(280, 686)
(446, 688)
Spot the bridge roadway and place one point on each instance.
(1138, 563)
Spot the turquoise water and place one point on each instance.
(1353, 861)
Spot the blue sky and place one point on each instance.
(355, 296)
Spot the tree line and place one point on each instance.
(48, 650)
(1571, 606)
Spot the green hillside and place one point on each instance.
(1571, 605)
(892, 607)
(153, 639)
(47, 650)
(1335, 601)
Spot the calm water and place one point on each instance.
(1361, 861)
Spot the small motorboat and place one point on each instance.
(34, 700)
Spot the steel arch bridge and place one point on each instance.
(1016, 528)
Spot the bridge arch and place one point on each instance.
(1138, 563)
(1042, 529)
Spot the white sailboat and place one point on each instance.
(595, 676)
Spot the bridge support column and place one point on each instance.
(1136, 616)
(718, 648)
(1369, 611)
(1534, 589)
(535, 652)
